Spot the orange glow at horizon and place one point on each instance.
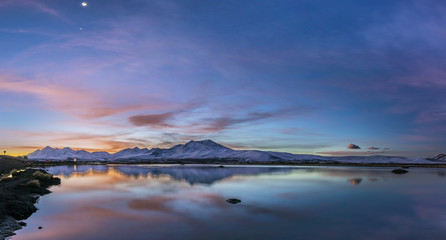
(24, 151)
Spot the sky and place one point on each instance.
(301, 76)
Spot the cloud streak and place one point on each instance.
(152, 120)
(77, 101)
(222, 123)
(38, 5)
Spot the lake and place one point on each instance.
(281, 202)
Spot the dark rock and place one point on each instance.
(17, 198)
(399, 171)
(20, 210)
(233, 200)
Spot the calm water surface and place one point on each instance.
(189, 202)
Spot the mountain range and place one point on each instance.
(206, 150)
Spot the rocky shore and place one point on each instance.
(19, 192)
(8, 163)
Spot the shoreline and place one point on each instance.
(20, 189)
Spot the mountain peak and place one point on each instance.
(204, 143)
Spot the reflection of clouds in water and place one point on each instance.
(435, 211)
(92, 222)
(355, 181)
(167, 203)
(373, 179)
(156, 203)
(275, 205)
(289, 195)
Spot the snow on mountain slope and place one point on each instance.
(208, 149)
(438, 158)
(129, 153)
(67, 153)
(193, 149)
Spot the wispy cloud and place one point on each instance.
(219, 124)
(207, 125)
(75, 100)
(437, 115)
(38, 5)
(26, 31)
(299, 131)
(186, 121)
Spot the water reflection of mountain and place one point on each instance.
(190, 174)
(202, 174)
(67, 170)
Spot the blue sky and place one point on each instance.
(295, 76)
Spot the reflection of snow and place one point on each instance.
(203, 174)
(190, 174)
(67, 170)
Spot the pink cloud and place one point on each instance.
(60, 98)
(353, 146)
(76, 101)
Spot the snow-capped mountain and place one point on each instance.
(67, 153)
(129, 153)
(193, 149)
(206, 149)
(438, 158)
